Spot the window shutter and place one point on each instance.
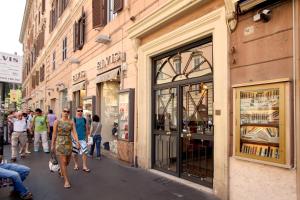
(61, 7)
(75, 36)
(118, 5)
(96, 9)
(50, 22)
(103, 13)
(81, 24)
(43, 6)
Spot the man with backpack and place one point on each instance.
(82, 133)
(41, 127)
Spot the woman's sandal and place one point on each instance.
(76, 168)
(67, 186)
(86, 170)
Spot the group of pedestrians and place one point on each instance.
(68, 139)
(26, 126)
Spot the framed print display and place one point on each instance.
(261, 127)
(126, 115)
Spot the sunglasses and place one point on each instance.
(79, 110)
(66, 111)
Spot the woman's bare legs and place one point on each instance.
(64, 162)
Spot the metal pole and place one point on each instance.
(2, 90)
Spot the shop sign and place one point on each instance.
(10, 68)
(111, 60)
(80, 76)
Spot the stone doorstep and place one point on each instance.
(183, 181)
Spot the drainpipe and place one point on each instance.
(2, 94)
(296, 74)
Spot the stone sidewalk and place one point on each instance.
(109, 180)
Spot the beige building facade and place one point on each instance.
(165, 72)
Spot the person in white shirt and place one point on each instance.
(19, 135)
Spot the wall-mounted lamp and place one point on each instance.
(104, 39)
(74, 61)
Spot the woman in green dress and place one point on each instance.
(61, 142)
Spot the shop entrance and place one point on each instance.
(183, 113)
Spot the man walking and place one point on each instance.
(40, 126)
(82, 132)
(19, 135)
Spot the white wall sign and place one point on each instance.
(10, 68)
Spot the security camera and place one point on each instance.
(265, 15)
(266, 12)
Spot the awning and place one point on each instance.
(78, 86)
(108, 75)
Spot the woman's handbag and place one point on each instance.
(53, 163)
(90, 140)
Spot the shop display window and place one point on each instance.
(126, 115)
(260, 122)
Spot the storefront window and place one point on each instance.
(82, 96)
(109, 111)
(64, 99)
(87, 106)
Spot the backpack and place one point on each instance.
(74, 119)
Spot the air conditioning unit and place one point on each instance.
(246, 5)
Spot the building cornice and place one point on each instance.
(25, 19)
(168, 11)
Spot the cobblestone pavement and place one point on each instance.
(109, 180)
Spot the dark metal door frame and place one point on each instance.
(179, 87)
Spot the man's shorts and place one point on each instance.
(83, 147)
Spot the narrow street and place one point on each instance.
(108, 180)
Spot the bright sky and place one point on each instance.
(11, 16)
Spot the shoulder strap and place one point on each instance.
(84, 121)
(74, 119)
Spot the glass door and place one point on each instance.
(166, 130)
(196, 136)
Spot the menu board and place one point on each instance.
(259, 113)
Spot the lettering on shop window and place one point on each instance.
(111, 59)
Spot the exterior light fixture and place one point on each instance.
(74, 61)
(104, 39)
(196, 55)
(177, 63)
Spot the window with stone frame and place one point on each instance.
(37, 78)
(104, 11)
(57, 9)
